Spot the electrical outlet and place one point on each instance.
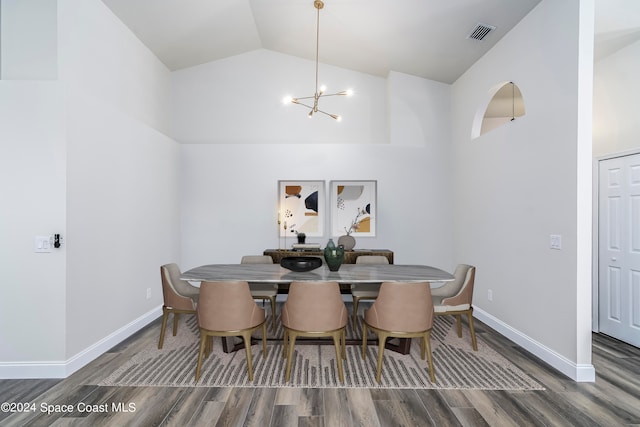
(490, 295)
(148, 293)
(555, 241)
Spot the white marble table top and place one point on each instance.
(348, 273)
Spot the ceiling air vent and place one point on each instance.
(480, 31)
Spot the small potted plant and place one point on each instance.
(301, 236)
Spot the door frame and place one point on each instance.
(595, 265)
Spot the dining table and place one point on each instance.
(345, 275)
(348, 273)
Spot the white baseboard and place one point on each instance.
(30, 370)
(577, 372)
(62, 369)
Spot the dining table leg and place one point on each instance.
(228, 346)
(403, 346)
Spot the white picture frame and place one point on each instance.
(353, 207)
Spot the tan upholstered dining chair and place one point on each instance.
(226, 309)
(455, 298)
(180, 297)
(402, 310)
(365, 291)
(263, 291)
(314, 309)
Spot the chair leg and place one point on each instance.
(472, 330)
(382, 339)
(459, 324)
(165, 316)
(264, 340)
(176, 318)
(427, 341)
(273, 312)
(203, 339)
(247, 346)
(344, 343)
(292, 343)
(285, 345)
(356, 300)
(208, 346)
(364, 340)
(336, 342)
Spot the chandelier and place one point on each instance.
(319, 92)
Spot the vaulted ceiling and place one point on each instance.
(426, 38)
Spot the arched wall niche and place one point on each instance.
(504, 104)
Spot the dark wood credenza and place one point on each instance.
(349, 256)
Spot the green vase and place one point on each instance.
(333, 255)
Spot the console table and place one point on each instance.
(349, 256)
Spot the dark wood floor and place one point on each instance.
(613, 400)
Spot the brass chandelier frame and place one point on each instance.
(320, 91)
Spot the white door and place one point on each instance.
(619, 252)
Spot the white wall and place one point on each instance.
(100, 57)
(517, 185)
(229, 198)
(89, 151)
(212, 102)
(229, 190)
(616, 92)
(419, 111)
(122, 173)
(123, 221)
(32, 185)
(28, 40)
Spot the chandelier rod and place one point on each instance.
(319, 5)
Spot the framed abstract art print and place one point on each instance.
(301, 208)
(353, 208)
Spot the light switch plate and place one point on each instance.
(42, 244)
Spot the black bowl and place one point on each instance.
(301, 263)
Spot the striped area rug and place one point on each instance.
(457, 366)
